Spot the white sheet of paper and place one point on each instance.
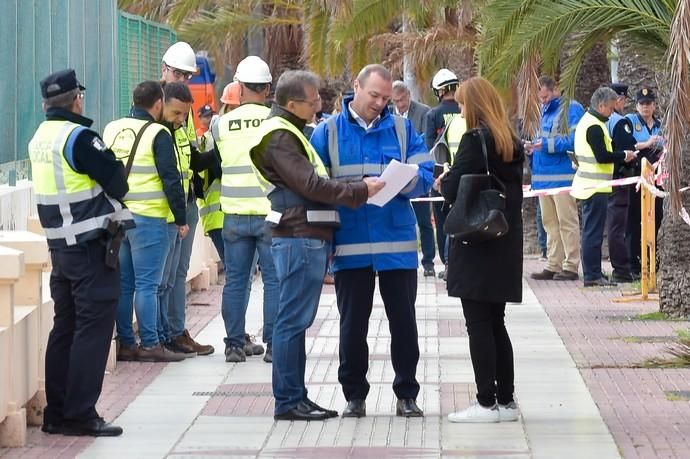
(396, 175)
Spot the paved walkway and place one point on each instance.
(204, 407)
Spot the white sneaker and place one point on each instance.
(508, 413)
(476, 413)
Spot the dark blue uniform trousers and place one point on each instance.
(355, 295)
(616, 226)
(85, 292)
(593, 224)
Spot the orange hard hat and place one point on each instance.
(231, 94)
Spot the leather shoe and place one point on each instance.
(94, 428)
(314, 406)
(602, 282)
(51, 428)
(303, 412)
(356, 408)
(566, 275)
(429, 272)
(408, 408)
(621, 278)
(544, 275)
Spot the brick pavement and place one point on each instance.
(601, 338)
(205, 407)
(119, 388)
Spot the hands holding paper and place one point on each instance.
(374, 185)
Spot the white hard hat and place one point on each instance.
(444, 77)
(180, 56)
(252, 69)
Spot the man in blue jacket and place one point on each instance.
(358, 142)
(552, 168)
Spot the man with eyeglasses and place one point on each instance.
(179, 66)
(245, 205)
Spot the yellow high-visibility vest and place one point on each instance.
(456, 129)
(210, 212)
(234, 133)
(72, 207)
(590, 173)
(145, 196)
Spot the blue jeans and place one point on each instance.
(243, 236)
(216, 236)
(541, 232)
(178, 298)
(300, 266)
(142, 256)
(166, 285)
(593, 223)
(422, 211)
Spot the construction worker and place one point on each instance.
(179, 65)
(444, 84)
(155, 192)
(77, 183)
(210, 214)
(230, 97)
(245, 206)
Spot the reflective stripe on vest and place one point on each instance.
(276, 123)
(590, 173)
(57, 185)
(553, 178)
(235, 133)
(146, 196)
(374, 248)
(357, 171)
(210, 213)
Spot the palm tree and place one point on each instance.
(539, 29)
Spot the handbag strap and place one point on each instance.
(486, 156)
(130, 160)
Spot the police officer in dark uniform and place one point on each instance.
(444, 85)
(646, 128)
(78, 185)
(620, 130)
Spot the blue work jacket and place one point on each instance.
(384, 238)
(551, 166)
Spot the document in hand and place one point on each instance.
(396, 176)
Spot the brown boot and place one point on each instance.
(158, 354)
(127, 353)
(186, 340)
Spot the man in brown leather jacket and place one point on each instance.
(303, 216)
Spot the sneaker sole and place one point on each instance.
(474, 421)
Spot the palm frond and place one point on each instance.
(678, 115)
(528, 103)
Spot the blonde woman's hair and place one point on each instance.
(482, 105)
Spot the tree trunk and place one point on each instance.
(673, 254)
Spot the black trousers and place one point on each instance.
(491, 351)
(85, 292)
(633, 235)
(355, 294)
(616, 226)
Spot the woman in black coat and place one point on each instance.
(487, 275)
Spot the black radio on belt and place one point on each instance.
(115, 231)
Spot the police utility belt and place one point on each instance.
(317, 214)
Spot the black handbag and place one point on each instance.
(477, 214)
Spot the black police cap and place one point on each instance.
(645, 95)
(620, 89)
(59, 82)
